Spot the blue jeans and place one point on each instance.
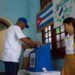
(11, 68)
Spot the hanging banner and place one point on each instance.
(45, 17)
(62, 9)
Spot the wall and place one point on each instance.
(59, 63)
(13, 9)
(33, 7)
(73, 9)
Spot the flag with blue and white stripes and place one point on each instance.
(45, 17)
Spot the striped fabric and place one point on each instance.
(60, 12)
(45, 17)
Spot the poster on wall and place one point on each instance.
(55, 12)
(45, 17)
(62, 9)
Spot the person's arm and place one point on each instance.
(26, 46)
(23, 38)
(29, 42)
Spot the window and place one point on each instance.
(60, 34)
(3, 26)
(55, 37)
(47, 36)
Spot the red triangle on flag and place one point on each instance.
(39, 20)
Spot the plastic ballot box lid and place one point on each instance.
(41, 57)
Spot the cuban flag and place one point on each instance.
(45, 17)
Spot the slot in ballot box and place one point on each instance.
(41, 58)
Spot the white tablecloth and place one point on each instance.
(23, 72)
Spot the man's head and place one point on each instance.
(22, 22)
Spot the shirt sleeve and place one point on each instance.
(19, 33)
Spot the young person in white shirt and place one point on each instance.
(13, 46)
(69, 64)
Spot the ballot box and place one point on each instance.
(41, 58)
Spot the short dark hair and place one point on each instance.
(69, 20)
